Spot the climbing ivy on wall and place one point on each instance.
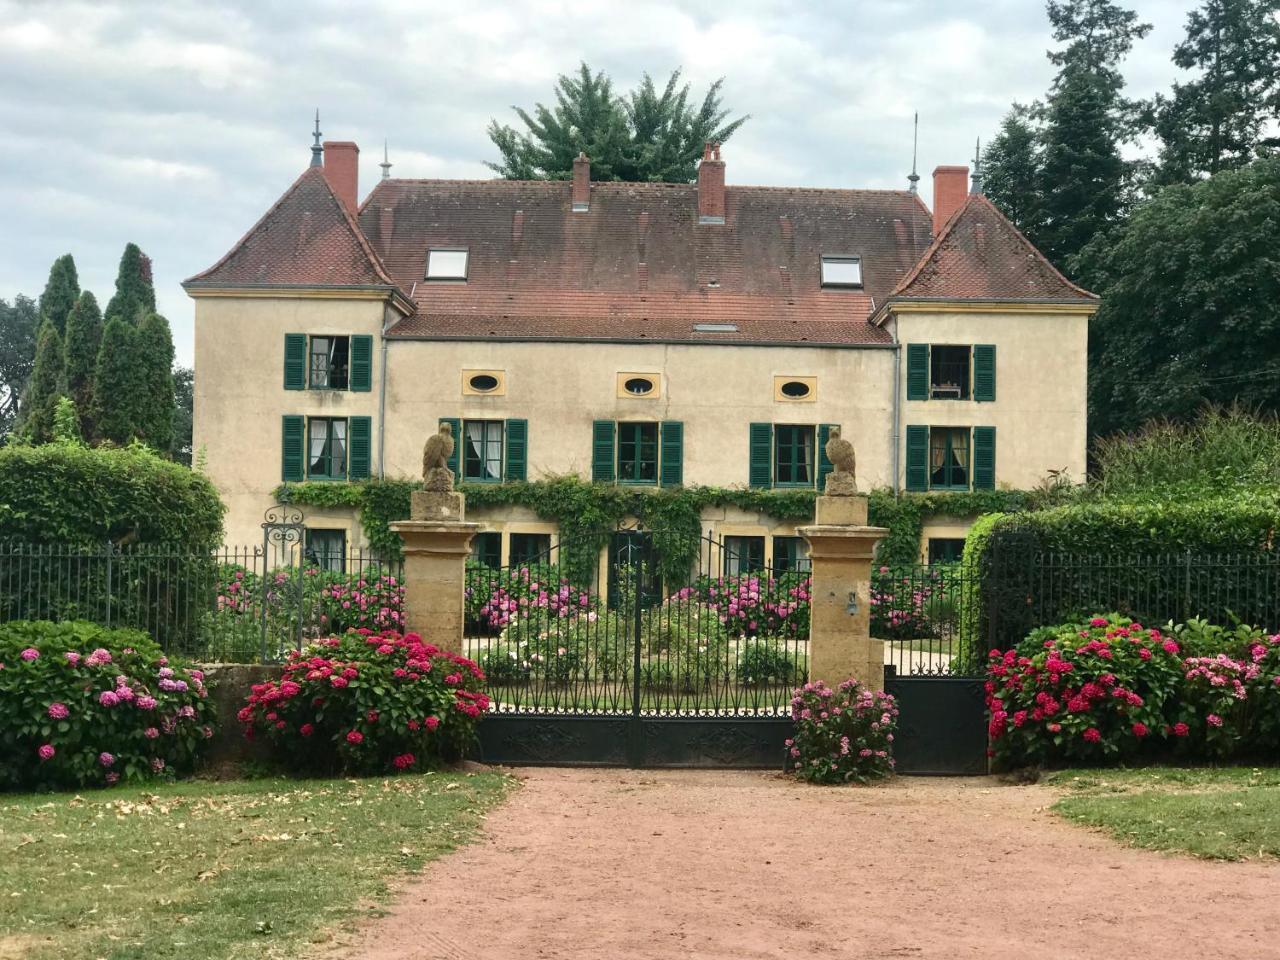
(587, 514)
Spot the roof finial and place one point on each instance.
(385, 164)
(914, 178)
(976, 179)
(317, 151)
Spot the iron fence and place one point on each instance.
(926, 616)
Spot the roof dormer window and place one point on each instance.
(447, 263)
(842, 271)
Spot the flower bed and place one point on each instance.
(368, 702)
(81, 705)
(842, 735)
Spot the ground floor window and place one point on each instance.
(486, 548)
(790, 553)
(743, 555)
(530, 548)
(482, 450)
(945, 549)
(949, 458)
(327, 448)
(327, 549)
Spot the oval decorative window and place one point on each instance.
(638, 386)
(796, 389)
(483, 382)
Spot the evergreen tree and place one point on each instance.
(44, 387)
(135, 296)
(184, 403)
(60, 293)
(155, 356)
(19, 322)
(1086, 184)
(1216, 121)
(84, 337)
(119, 383)
(1011, 176)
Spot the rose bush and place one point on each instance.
(842, 735)
(369, 702)
(81, 705)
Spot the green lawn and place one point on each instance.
(212, 869)
(1229, 813)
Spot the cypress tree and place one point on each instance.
(60, 293)
(156, 405)
(119, 383)
(84, 337)
(44, 387)
(135, 296)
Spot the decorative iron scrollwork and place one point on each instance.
(282, 525)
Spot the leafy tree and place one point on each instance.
(119, 383)
(646, 135)
(1085, 182)
(45, 386)
(135, 296)
(1216, 121)
(84, 337)
(184, 403)
(1011, 176)
(60, 292)
(18, 324)
(66, 422)
(1190, 306)
(156, 406)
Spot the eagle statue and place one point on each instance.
(840, 482)
(436, 474)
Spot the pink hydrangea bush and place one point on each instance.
(842, 735)
(81, 705)
(368, 702)
(755, 605)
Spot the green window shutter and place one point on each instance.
(984, 458)
(917, 371)
(295, 361)
(917, 458)
(760, 460)
(293, 431)
(984, 372)
(517, 450)
(359, 448)
(825, 466)
(672, 467)
(602, 455)
(361, 364)
(455, 458)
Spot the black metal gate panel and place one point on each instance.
(942, 725)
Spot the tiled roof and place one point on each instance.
(308, 238)
(638, 265)
(980, 255)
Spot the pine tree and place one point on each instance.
(1216, 121)
(119, 383)
(155, 357)
(60, 293)
(1011, 171)
(80, 350)
(135, 296)
(44, 388)
(1086, 184)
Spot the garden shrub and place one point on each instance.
(754, 605)
(770, 661)
(909, 603)
(81, 705)
(842, 735)
(368, 702)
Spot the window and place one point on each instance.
(949, 458)
(327, 549)
(486, 548)
(482, 450)
(789, 554)
(949, 373)
(841, 272)
(945, 549)
(329, 361)
(793, 455)
(484, 383)
(634, 385)
(637, 452)
(327, 448)
(446, 264)
(743, 555)
(530, 548)
(792, 388)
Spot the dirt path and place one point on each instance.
(634, 865)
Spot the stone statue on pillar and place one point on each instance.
(840, 482)
(439, 447)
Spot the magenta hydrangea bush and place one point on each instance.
(81, 705)
(843, 735)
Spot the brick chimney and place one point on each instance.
(711, 185)
(341, 169)
(950, 191)
(581, 183)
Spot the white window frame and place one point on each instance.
(454, 276)
(837, 261)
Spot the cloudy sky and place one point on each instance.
(176, 124)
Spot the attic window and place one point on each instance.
(715, 328)
(446, 264)
(842, 271)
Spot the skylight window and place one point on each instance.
(444, 264)
(841, 271)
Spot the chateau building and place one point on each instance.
(650, 334)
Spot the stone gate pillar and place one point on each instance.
(841, 549)
(437, 541)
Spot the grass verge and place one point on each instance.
(212, 869)
(1219, 813)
